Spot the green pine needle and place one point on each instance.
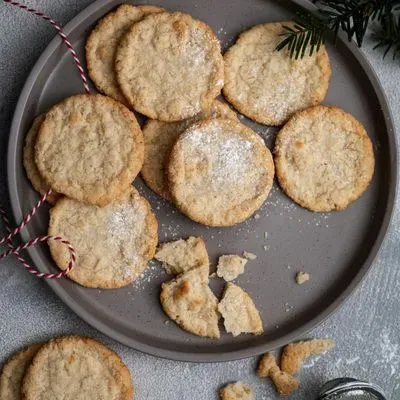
(388, 36)
(307, 33)
(353, 17)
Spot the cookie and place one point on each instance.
(239, 312)
(75, 368)
(13, 372)
(236, 391)
(265, 84)
(230, 267)
(113, 244)
(102, 44)
(189, 302)
(33, 174)
(284, 383)
(90, 148)
(219, 172)
(324, 159)
(183, 255)
(294, 354)
(159, 137)
(169, 66)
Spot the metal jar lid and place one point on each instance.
(351, 389)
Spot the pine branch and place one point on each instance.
(351, 16)
(306, 33)
(388, 35)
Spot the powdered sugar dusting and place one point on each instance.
(228, 154)
(125, 220)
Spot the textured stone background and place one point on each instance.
(367, 328)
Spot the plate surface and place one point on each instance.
(337, 249)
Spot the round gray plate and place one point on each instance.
(336, 249)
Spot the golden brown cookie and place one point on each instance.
(191, 304)
(169, 66)
(38, 183)
(113, 244)
(102, 44)
(219, 172)
(324, 158)
(266, 85)
(159, 137)
(77, 368)
(90, 148)
(239, 311)
(13, 372)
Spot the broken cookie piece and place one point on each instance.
(183, 255)
(236, 391)
(230, 267)
(239, 312)
(284, 383)
(191, 304)
(294, 354)
(302, 277)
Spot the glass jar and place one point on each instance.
(350, 389)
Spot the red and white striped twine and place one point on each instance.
(7, 239)
(40, 239)
(63, 37)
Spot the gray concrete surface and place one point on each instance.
(367, 328)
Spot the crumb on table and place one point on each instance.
(249, 256)
(302, 277)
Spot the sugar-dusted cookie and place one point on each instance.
(183, 255)
(38, 183)
(239, 311)
(324, 158)
(159, 137)
(113, 243)
(169, 66)
(266, 85)
(219, 172)
(191, 304)
(90, 148)
(77, 368)
(102, 44)
(13, 372)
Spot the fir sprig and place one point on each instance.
(350, 16)
(308, 33)
(388, 36)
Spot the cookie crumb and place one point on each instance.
(257, 216)
(284, 383)
(249, 256)
(295, 354)
(302, 277)
(230, 267)
(237, 391)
